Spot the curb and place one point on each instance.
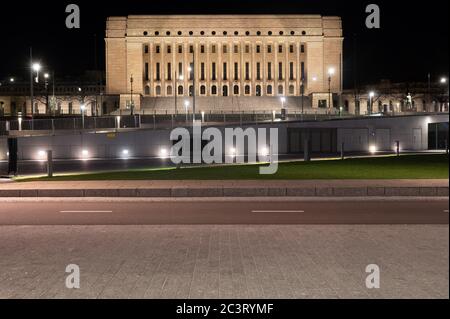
(233, 192)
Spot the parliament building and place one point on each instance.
(232, 62)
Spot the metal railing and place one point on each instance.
(155, 121)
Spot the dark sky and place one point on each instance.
(412, 41)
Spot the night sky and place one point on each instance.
(412, 41)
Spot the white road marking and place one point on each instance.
(278, 211)
(85, 211)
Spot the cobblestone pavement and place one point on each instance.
(294, 261)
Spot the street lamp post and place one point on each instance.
(371, 95)
(186, 105)
(302, 92)
(330, 74)
(193, 84)
(82, 108)
(46, 76)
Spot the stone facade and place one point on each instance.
(223, 55)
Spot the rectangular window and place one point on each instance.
(180, 49)
(302, 48)
(191, 72)
(291, 71)
(258, 71)
(202, 49)
(225, 48)
(145, 48)
(236, 48)
(146, 71)
(280, 71)
(169, 71)
(213, 49)
(158, 72)
(213, 70)
(258, 49)
(157, 49)
(202, 71)
(236, 71)
(302, 71)
(191, 49)
(269, 71)
(180, 68)
(169, 49)
(291, 48)
(269, 49)
(247, 71)
(225, 71)
(280, 49)
(247, 48)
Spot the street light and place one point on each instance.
(443, 80)
(11, 80)
(330, 74)
(36, 68)
(371, 95)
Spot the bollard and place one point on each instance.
(49, 163)
(306, 148)
(342, 151)
(397, 147)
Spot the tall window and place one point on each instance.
(158, 72)
(202, 49)
(291, 70)
(180, 49)
(202, 90)
(291, 89)
(169, 90)
(236, 89)
(157, 49)
(302, 48)
(258, 71)
(280, 48)
(191, 49)
(169, 71)
(269, 90)
(180, 68)
(280, 71)
(180, 90)
(224, 48)
(269, 49)
(202, 71)
(247, 89)
(269, 71)
(247, 48)
(213, 49)
(158, 90)
(247, 71)
(146, 71)
(146, 48)
(236, 71)
(236, 48)
(258, 49)
(224, 71)
(302, 71)
(291, 48)
(213, 70)
(214, 90)
(147, 90)
(169, 49)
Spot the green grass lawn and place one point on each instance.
(390, 167)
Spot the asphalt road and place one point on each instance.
(230, 211)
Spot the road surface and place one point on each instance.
(223, 211)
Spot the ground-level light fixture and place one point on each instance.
(125, 152)
(264, 151)
(41, 154)
(232, 151)
(443, 80)
(85, 153)
(163, 153)
(372, 149)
